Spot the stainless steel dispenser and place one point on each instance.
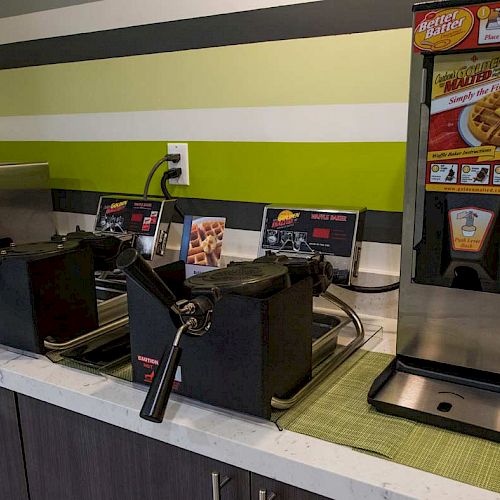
(447, 369)
(26, 213)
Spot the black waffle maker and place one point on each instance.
(105, 247)
(249, 279)
(246, 330)
(46, 290)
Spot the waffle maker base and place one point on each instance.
(46, 289)
(257, 347)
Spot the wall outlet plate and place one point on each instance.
(182, 149)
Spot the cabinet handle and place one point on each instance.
(218, 484)
(263, 495)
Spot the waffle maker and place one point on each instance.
(47, 290)
(257, 279)
(105, 247)
(246, 330)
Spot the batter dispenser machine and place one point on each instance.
(447, 369)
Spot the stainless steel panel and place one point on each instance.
(24, 176)
(112, 309)
(456, 327)
(452, 326)
(26, 213)
(444, 399)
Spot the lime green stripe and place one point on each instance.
(361, 68)
(367, 174)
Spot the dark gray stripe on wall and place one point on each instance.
(438, 4)
(329, 17)
(381, 227)
(17, 7)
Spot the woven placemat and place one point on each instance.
(338, 412)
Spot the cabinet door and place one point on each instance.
(12, 472)
(264, 488)
(73, 457)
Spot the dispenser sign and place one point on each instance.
(463, 148)
(469, 228)
(460, 28)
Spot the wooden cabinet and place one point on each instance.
(263, 488)
(12, 474)
(73, 457)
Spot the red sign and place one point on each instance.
(457, 28)
(463, 149)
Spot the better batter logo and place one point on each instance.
(443, 29)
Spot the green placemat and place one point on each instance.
(338, 411)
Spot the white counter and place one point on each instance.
(318, 466)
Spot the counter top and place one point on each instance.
(252, 444)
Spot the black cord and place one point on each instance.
(174, 158)
(169, 174)
(156, 166)
(164, 189)
(372, 289)
(172, 173)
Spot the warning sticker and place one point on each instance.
(469, 227)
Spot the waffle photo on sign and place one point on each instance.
(201, 247)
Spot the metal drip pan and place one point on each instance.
(457, 403)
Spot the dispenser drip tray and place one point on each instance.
(460, 404)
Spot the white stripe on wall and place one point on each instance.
(110, 14)
(321, 123)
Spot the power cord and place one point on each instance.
(174, 158)
(171, 173)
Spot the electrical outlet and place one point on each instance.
(182, 149)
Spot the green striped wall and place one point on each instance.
(321, 173)
(344, 69)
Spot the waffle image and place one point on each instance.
(484, 119)
(205, 243)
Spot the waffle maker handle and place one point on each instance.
(193, 316)
(158, 395)
(138, 270)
